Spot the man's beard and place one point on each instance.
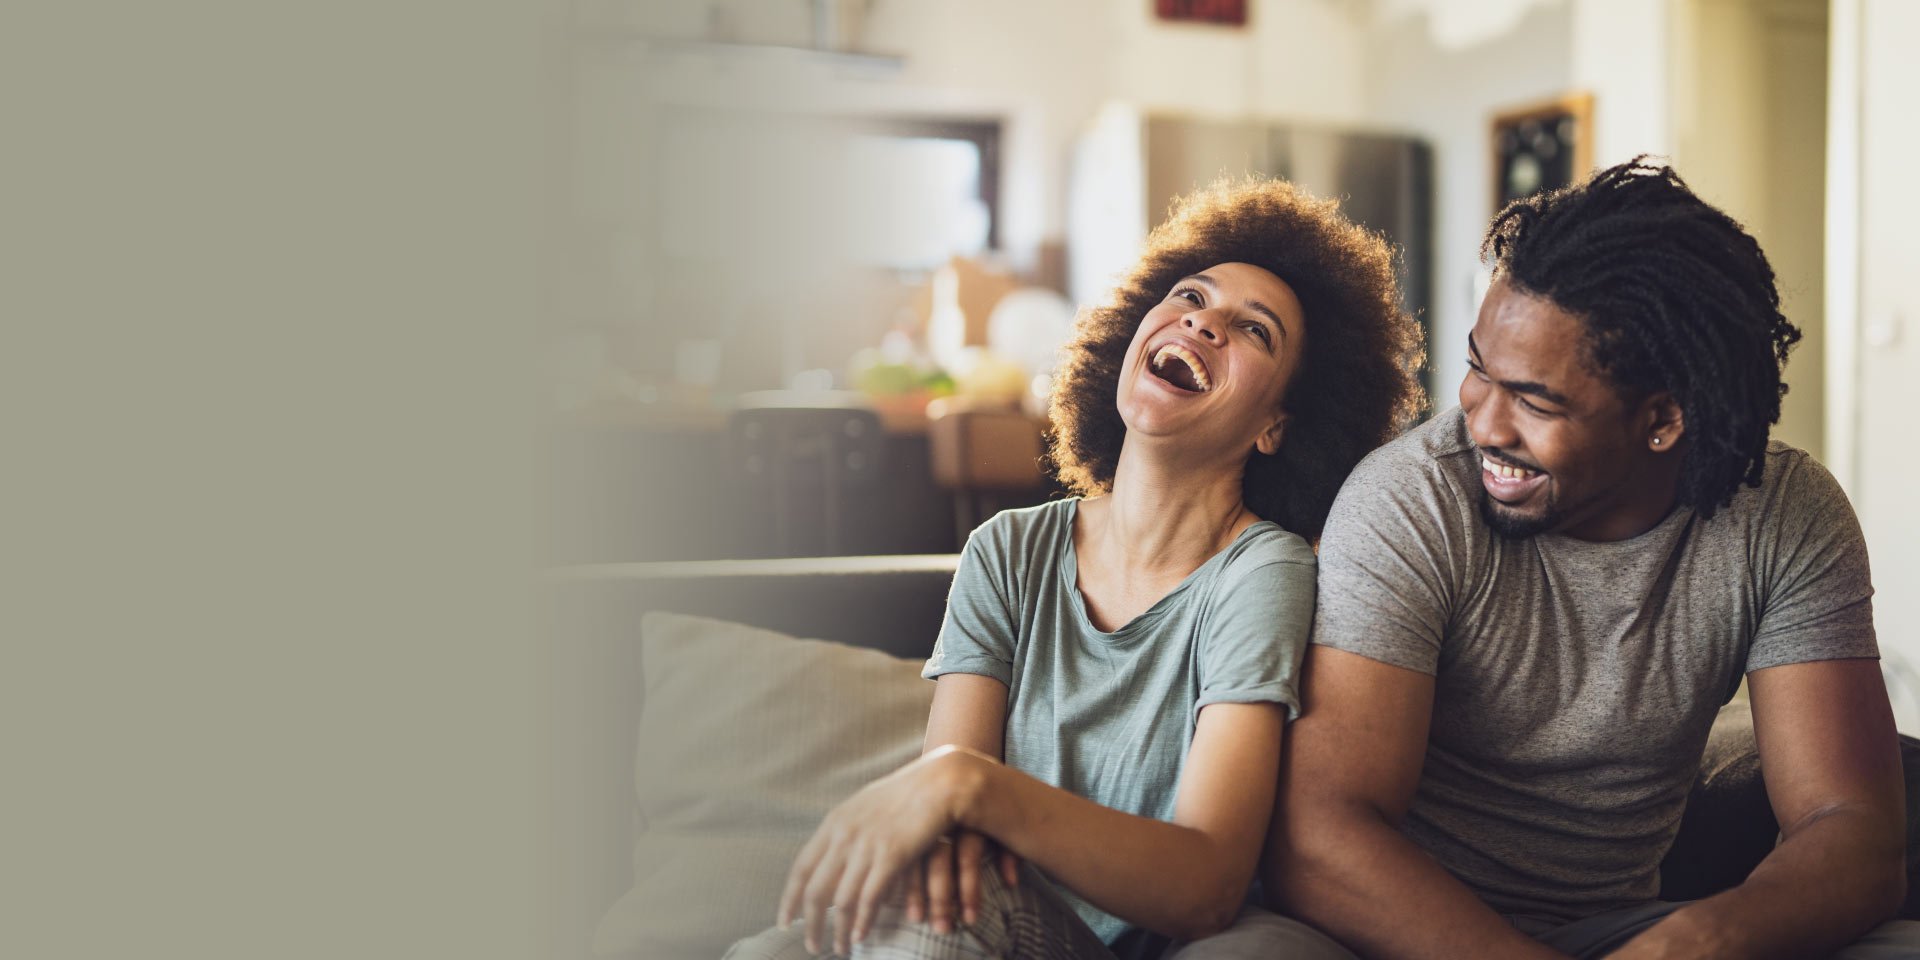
(1511, 526)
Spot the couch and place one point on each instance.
(875, 609)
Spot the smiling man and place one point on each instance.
(1532, 607)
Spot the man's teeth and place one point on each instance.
(1185, 356)
(1505, 472)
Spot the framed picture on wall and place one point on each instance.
(1541, 146)
(1232, 13)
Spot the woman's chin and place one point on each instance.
(1157, 416)
(1173, 438)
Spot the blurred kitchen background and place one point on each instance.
(818, 255)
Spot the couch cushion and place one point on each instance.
(747, 738)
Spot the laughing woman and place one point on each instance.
(1116, 670)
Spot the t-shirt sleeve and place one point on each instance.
(1385, 590)
(1256, 636)
(1818, 592)
(978, 633)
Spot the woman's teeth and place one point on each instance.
(1505, 472)
(1199, 370)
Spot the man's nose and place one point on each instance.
(1205, 323)
(1490, 424)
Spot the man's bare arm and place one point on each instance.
(1335, 857)
(1832, 765)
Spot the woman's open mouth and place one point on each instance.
(1181, 367)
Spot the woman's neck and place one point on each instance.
(1167, 516)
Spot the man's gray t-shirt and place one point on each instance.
(1109, 716)
(1576, 682)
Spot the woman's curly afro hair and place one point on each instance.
(1352, 390)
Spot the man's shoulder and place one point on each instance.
(1789, 466)
(1792, 482)
(1433, 461)
(1441, 439)
(1398, 546)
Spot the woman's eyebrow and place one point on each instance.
(1264, 311)
(1255, 305)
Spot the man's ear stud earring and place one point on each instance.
(1656, 441)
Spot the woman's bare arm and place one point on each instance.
(1187, 878)
(969, 711)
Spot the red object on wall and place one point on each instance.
(1230, 12)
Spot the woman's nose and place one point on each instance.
(1203, 323)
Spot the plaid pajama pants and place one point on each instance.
(1032, 922)
(1025, 921)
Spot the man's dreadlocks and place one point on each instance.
(1675, 296)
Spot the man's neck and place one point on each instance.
(1641, 508)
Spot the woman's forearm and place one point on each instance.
(1161, 876)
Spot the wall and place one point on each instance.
(1749, 120)
(1872, 310)
(1620, 52)
(643, 274)
(1295, 59)
(1040, 67)
(1047, 68)
(1043, 68)
(1528, 62)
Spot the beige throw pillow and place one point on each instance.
(747, 738)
